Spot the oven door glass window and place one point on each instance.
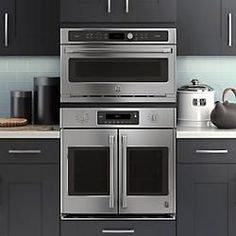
(147, 171)
(118, 69)
(88, 170)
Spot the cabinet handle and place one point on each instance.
(6, 29)
(24, 151)
(118, 231)
(109, 6)
(124, 171)
(127, 6)
(222, 151)
(230, 29)
(111, 144)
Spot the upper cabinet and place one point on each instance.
(29, 27)
(206, 27)
(118, 11)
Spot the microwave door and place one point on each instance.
(91, 71)
(146, 170)
(89, 163)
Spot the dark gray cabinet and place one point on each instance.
(29, 195)
(118, 11)
(125, 227)
(206, 192)
(29, 27)
(204, 27)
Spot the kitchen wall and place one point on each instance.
(218, 72)
(18, 72)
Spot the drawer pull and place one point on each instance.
(222, 151)
(24, 151)
(118, 231)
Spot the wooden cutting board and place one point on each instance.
(12, 122)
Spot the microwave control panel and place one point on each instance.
(117, 117)
(118, 36)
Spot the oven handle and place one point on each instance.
(124, 171)
(125, 50)
(112, 161)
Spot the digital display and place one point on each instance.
(116, 36)
(118, 116)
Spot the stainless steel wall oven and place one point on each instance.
(121, 65)
(117, 161)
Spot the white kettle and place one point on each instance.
(195, 103)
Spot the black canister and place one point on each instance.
(46, 100)
(21, 105)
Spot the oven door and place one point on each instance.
(88, 172)
(117, 71)
(147, 172)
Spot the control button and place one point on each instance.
(130, 36)
(154, 117)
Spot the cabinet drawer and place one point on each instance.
(206, 151)
(29, 151)
(109, 228)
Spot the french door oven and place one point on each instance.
(117, 171)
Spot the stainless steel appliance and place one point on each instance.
(117, 161)
(118, 65)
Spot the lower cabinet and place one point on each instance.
(206, 189)
(29, 200)
(135, 228)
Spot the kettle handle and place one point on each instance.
(226, 91)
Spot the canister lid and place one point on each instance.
(18, 93)
(195, 86)
(46, 81)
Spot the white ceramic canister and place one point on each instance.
(195, 103)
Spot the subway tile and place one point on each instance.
(7, 77)
(3, 64)
(44, 64)
(17, 64)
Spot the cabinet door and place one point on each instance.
(155, 11)
(232, 199)
(5, 26)
(199, 27)
(33, 27)
(92, 11)
(229, 27)
(118, 11)
(29, 200)
(203, 199)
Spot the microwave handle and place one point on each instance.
(112, 161)
(94, 50)
(124, 171)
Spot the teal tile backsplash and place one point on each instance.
(18, 73)
(218, 72)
